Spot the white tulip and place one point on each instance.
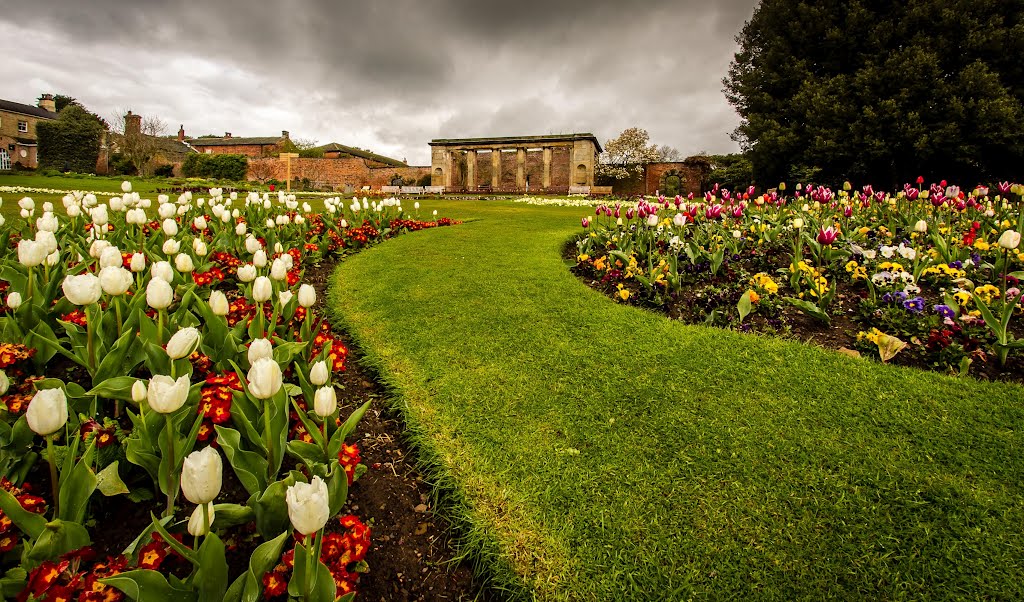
(264, 378)
(921, 226)
(74, 211)
(262, 289)
(201, 475)
(47, 412)
(219, 303)
(97, 247)
(284, 297)
(138, 262)
(83, 289)
(53, 259)
(111, 257)
(31, 253)
(307, 295)
(183, 343)
(319, 374)
(5, 383)
(252, 244)
(199, 247)
(47, 222)
(14, 300)
(139, 391)
(170, 227)
(159, 294)
(240, 229)
(165, 394)
(163, 271)
(200, 222)
(247, 272)
(259, 349)
(279, 270)
(115, 280)
(325, 401)
(183, 263)
(126, 186)
(27, 203)
(171, 246)
(259, 259)
(99, 215)
(308, 506)
(167, 211)
(1009, 239)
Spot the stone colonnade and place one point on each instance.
(455, 163)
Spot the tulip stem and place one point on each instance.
(172, 484)
(90, 348)
(271, 471)
(117, 313)
(313, 550)
(206, 519)
(159, 327)
(28, 290)
(53, 475)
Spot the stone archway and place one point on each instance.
(672, 182)
(581, 175)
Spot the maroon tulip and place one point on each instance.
(827, 236)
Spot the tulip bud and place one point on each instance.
(259, 349)
(265, 378)
(259, 258)
(183, 263)
(307, 296)
(201, 475)
(14, 300)
(219, 303)
(325, 401)
(5, 383)
(126, 186)
(139, 391)
(115, 280)
(170, 227)
(138, 262)
(240, 229)
(262, 289)
(159, 294)
(183, 343)
(199, 247)
(83, 289)
(166, 394)
(197, 522)
(47, 412)
(798, 223)
(319, 374)
(921, 226)
(308, 506)
(247, 272)
(284, 297)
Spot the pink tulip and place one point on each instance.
(827, 236)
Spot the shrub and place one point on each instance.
(164, 171)
(119, 164)
(424, 180)
(71, 142)
(222, 167)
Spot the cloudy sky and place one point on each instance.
(388, 75)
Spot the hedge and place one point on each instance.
(71, 142)
(222, 167)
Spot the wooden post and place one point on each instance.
(288, 167)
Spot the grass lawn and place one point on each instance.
(593, 451)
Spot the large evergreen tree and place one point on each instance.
(881, 91)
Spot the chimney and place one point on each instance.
(284, 134)
(46, 102)
(227, 134)
(132, 124)
(181, 133)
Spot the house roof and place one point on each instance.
(355, 152)
(527, 140)
(235, 141)
(17, 107)
(172, 146)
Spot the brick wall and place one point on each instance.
(336, 173)
(250, 150)
(654, 179)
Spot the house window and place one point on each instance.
(23, 126)
(209, 151)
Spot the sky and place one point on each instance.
(388, 75)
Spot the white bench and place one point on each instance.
(412, 190)
(390, 189)
(579, 190)
(433, 189)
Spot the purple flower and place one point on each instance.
(915, 305)
(956, 265)
(944, 310)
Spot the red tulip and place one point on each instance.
(827, 236)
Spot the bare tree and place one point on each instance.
(669, 154)
(137, 138)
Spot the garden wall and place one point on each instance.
(345, 173)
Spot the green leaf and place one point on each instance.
(230, 515)
(109, 482)
(337, 488)
(77, 487)
(118, 387)
(744, 306)
(212, 576)
(144, 585)
(133, 548)
(309, 453)
(262, 560)
(249, 467)
(115, 361)
(808, 308)
(58, 538)
(346, 429)
(29, 522)
(272, 509)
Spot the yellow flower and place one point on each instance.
(981, 245)
(987, 292)
(962, 298)
(850, 266)
(582, 257)
(623, 293)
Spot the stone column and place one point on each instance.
(471, 170)
(547, 167)
(520, 168)
(448, 168)
(495, 168)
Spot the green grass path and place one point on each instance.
(602, 452)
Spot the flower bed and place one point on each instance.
(923, 276)
(139, 354)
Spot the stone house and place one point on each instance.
(253, 147)
(18, 141)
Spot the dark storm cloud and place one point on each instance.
(391, 75)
